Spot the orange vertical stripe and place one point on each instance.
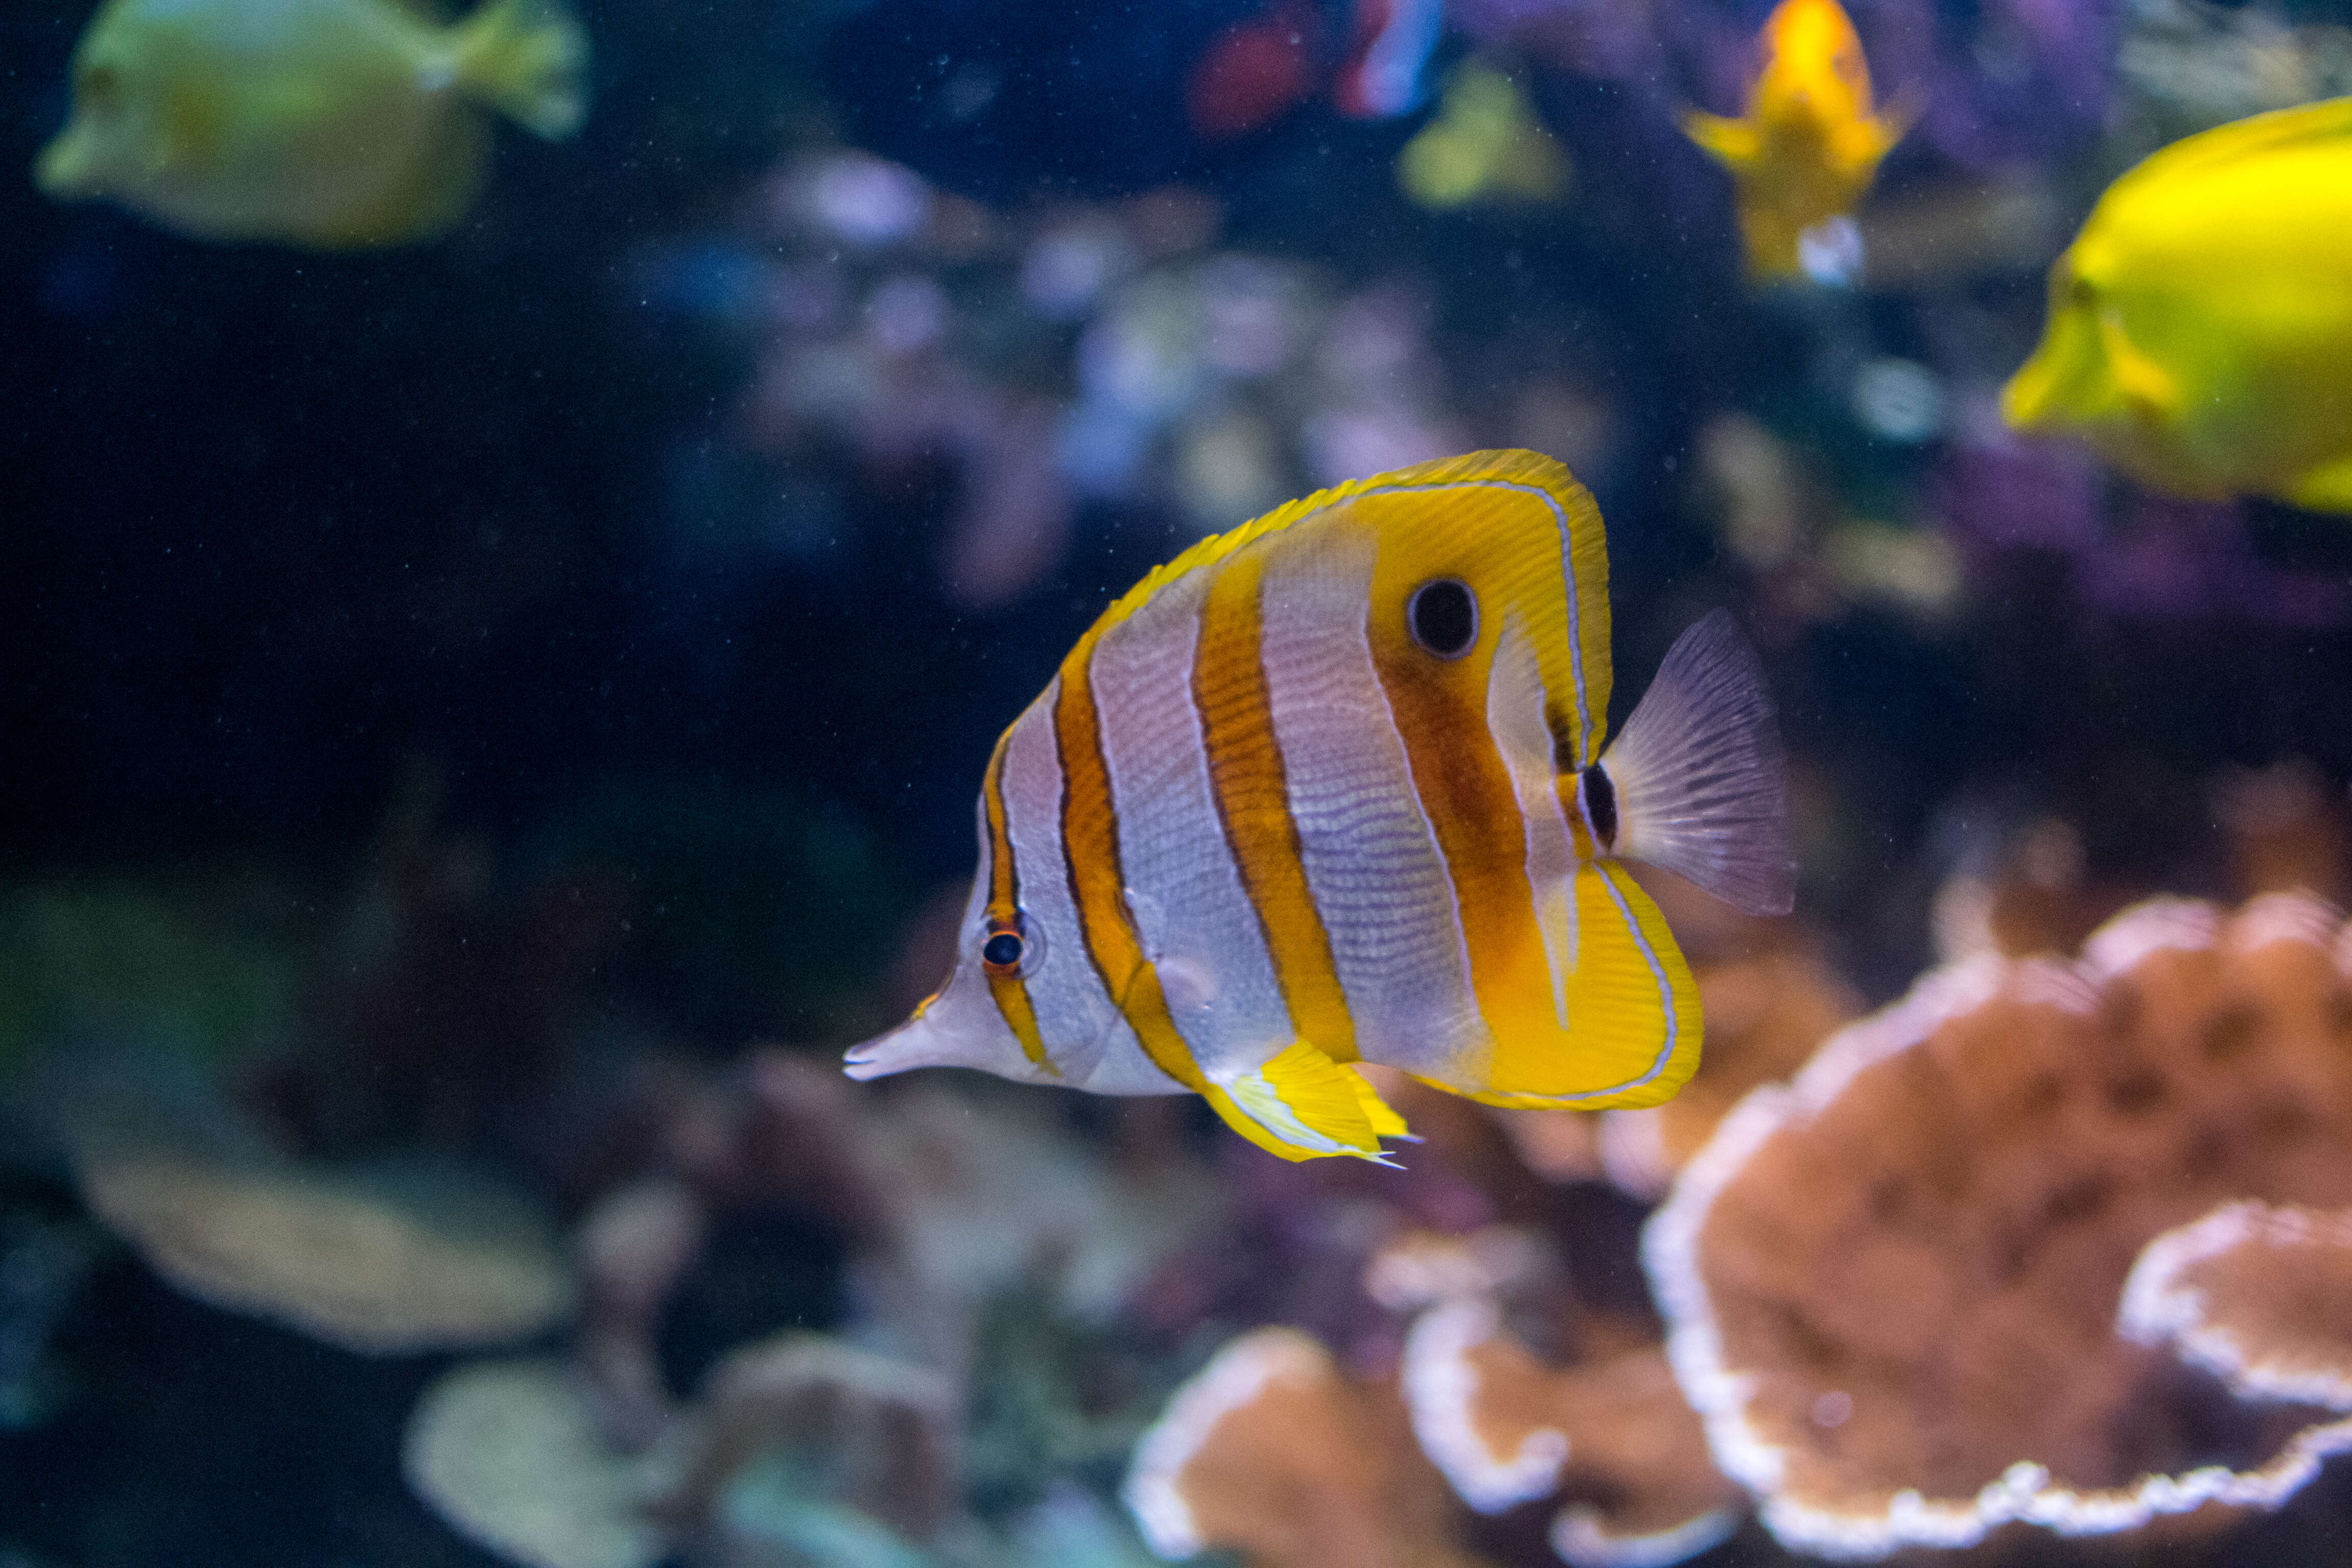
(1098, 882)
(1011, 992)
(1246, 773)
(1466, 792)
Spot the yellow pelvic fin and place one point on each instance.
(2327, 487)
(1302, 1105)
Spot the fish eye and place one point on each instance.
(101, 89)
(1443, 615)
(1012, 948)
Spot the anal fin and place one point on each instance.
(1302, 1105)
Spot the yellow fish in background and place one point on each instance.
(1331, 789)
(1810, 142)
(1485, 141)
(316, 123)
(2199, 329)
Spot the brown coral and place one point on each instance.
(1270, 1450)
(1893, 1284)
(2260, 1297)
(1612, 1440)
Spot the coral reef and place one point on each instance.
(1611, 1442)
(1272, 1451)
(2261, 1297)
(387, 1262)
(1893, 1284)
(386, 1257)
(508, 1452)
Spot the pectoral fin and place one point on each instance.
(1731, 143)
(2146, 385)
(1302, 1105)
(1697, 782)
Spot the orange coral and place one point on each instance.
(2260, 1297)
(1612, 1440)
(1273, 1452)
(1893, 1284)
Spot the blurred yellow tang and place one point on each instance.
(2200, 333)
(1486, 142)
(318, 122)
(1810, 142)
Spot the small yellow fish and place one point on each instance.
(1331, 789)
(329, 124)
(2199, 329)
(1808, 144)
(1484, 142)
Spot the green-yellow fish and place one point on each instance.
(330, 123)
(2200, 333)
(1333, 789)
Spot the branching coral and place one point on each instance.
(1893, 1284)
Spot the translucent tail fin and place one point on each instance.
(529, 59)
(1700, 780)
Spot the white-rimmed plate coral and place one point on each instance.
(1893, 1285)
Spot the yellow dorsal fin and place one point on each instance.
(2328, 119)
(1303, 1105)
(1506, 463)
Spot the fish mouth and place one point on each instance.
(868, 1059)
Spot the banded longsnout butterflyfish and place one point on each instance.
(1331, 789)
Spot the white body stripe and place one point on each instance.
(1584, 738)
(1515, 716)
(1198, 926)
(1372, 863)
(1084, 1034)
